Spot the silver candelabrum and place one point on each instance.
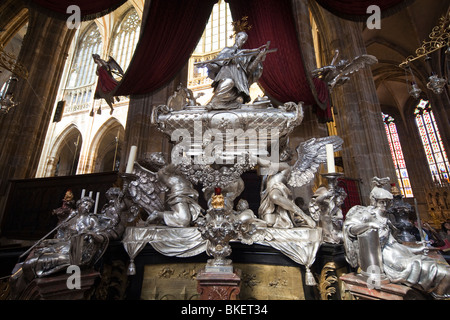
(332, 179)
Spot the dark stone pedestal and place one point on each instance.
(358, 286)
(219, 286)
(55, 287)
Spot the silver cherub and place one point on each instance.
(338, 73)
(155, 177)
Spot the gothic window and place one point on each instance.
(125, 38)
(82, 71)
(397, 156)
(215, 37)
(432, 142)
(217, 27)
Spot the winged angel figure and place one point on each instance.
(156, 177)
(106, 80)
(338, 73)
(277, 207)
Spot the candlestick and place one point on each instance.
(131, 158)
(96, 202)
(330, 158)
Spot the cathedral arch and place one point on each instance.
(106, 147)
(65, 154)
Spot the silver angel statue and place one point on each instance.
(397, 262)
(277, 207)
(155, 177)
(338, 73)
(233, 71)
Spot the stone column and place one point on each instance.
(357, 110)
(139, 131)
(310, 126)
(23, 129)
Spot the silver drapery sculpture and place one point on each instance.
(370, 244)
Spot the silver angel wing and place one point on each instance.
(145, 190)
(311, 154)
(114, 67)
(358, 63)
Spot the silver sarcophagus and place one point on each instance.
(227, 136)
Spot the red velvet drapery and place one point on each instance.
(88, 8)
(169, 37)
(284, 77)
(357, 9)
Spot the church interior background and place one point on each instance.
(59, 130)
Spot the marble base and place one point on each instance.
(219, 286)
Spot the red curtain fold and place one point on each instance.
(357, 9)
(88, 8)
(284, 77)
(169, 37)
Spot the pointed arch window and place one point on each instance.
(397, 156)
(216, 36)
(125, 38)
(82, 71)
(432, 142)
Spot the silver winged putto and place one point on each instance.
(311, 154)
(156, 177)
(146, 189)
(338, 73)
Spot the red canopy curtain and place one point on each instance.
(356, 9)
(170, 34)
(284, 77)
(90, 9)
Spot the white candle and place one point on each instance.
(90, 194)
(96, 202)
(83, 192)
(131, 158)
(330, 158)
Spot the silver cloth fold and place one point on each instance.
(299, 244)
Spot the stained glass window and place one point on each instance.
(83, 67)
(125, 39)
(397, 156)
(432, 142)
